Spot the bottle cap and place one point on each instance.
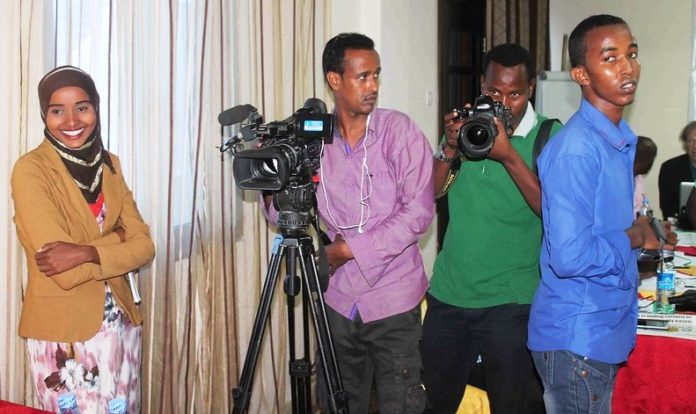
(118, 406)
(67, 401)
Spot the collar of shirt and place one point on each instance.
(621, 137)
(527, 123)
(372, 126)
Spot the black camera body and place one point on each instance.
(477, 136)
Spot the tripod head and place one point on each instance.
(294, 203)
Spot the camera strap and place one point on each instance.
(451, 176)
(542, 138)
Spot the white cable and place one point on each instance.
(364, 172)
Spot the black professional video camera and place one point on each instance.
(477, 135)
(286, 150)
(284, 158)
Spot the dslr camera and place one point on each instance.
(477, 136)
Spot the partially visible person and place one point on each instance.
(646, 151)
(375, 196)
(81, 232)
(676, 170)
(486, 274)
(584, 314)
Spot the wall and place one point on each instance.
(664, 36)
(405, 35)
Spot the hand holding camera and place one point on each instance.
(484, 122)
(502, 148)
(452, 126)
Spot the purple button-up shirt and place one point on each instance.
(386, 276)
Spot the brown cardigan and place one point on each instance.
(49, 206)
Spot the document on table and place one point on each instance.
(686, 238)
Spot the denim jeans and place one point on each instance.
(575, 384)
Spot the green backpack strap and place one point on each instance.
(541, 139)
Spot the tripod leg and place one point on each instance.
(242, 393)
(338, 400)
(307, 356)
(300, 369)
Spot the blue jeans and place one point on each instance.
(575, 384)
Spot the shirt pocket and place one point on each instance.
(384, 187)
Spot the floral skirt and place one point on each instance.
(103, 367)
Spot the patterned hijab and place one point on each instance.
(83, 163)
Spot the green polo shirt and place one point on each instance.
(490, 254)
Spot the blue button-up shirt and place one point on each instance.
(587, 299)
(387, 276)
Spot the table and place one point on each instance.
(660, 375)
(7, 407)
(640, 386)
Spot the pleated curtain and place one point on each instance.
(165, 70)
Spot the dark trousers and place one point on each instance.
(454, 337)
(386, 350)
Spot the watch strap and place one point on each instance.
(441, 156)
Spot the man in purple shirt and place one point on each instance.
(376, 197)
(375, 194)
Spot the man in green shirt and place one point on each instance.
(488, 270)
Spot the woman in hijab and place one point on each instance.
(82, 233)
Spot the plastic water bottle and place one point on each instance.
(67, 404)
(645, 209)
(665, 287)
(118, 406)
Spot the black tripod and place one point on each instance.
(292, 242)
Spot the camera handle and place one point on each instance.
(293, 248)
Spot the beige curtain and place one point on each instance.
(281, 42)
(21, 46)
(164, 70)
(525, 22)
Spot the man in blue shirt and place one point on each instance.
(583, 316)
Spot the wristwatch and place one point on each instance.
(441, 156)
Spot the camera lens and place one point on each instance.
(268, 167)
(477, 135)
